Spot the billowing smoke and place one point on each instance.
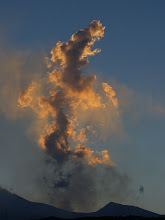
(70, 92)
(74, 113)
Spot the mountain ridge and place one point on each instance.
(14, 207)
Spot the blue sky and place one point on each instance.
(132, 53)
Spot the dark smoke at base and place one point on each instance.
(83, 188)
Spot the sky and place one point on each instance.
(131, 61)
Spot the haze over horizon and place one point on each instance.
(82, 103)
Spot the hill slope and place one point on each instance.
(14, 207)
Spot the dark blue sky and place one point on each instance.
(133, 46)
(132, 53)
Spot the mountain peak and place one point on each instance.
(115, 209)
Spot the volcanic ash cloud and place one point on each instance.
(76, 112)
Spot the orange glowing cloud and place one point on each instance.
(63, 134)
(110, 93)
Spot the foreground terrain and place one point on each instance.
(13, 207)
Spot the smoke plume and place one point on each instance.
(74, 113)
